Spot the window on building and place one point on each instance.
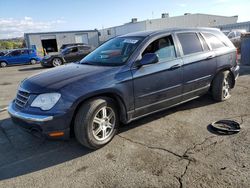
(214, 41)
(190, 43)
(163, 47)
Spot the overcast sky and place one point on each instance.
(19, 16)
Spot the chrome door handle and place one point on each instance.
(176, 66)
(210, 57)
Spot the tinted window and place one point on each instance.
(190, 43)
(214, 41)
(16, 53)
(71, 50)
(231, 35)
(204, 44)
(84, 47)
(163, 47)
(24, 52)
(238, 34)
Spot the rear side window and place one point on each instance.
(190, 43)
(214, 41)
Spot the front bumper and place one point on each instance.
(45, 125)
(46, 62)
(28, 117)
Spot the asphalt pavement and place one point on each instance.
(173, 148)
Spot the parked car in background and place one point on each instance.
(71, 44)
(235, 36)
(124, 79)
(19, 56)
(69, 54)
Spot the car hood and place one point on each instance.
(59, 77)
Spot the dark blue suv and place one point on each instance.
(124, 79)
(19, 56)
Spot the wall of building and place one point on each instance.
(188, 20)
(242, 25)
(61, 38)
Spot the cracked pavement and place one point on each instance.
(173, 148)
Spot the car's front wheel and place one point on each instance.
(222, 85)
(96, 122)
(57, 62)
(3, 64)
(33, 61)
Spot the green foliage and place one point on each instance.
(11, 44)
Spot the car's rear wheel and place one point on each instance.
(3, 64)
(33, 61)
(96, 122)
(222, 85)
(57, 62)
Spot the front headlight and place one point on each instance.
(46, 101)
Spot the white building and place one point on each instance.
(186, 20)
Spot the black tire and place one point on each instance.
(33, 61)
(221, 83)
(3, 64)
(84, 122)
(57, 62)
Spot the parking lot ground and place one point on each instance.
(173, 148)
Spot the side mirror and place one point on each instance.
(149, 58)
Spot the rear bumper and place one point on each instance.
(45, 125)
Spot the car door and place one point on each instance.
(24, 57)
(82, 52)
(71, 55)
(14, 57)
(199, 64)
(159, 85)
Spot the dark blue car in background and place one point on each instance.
(124, 79)
(20, 56)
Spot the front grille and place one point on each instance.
(22, 98)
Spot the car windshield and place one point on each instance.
(114, 52)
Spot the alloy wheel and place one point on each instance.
(33, 61)
(103, 123)
(3, 64)
(226, 88)
(57, 62)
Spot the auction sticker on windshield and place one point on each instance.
(131, 41)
